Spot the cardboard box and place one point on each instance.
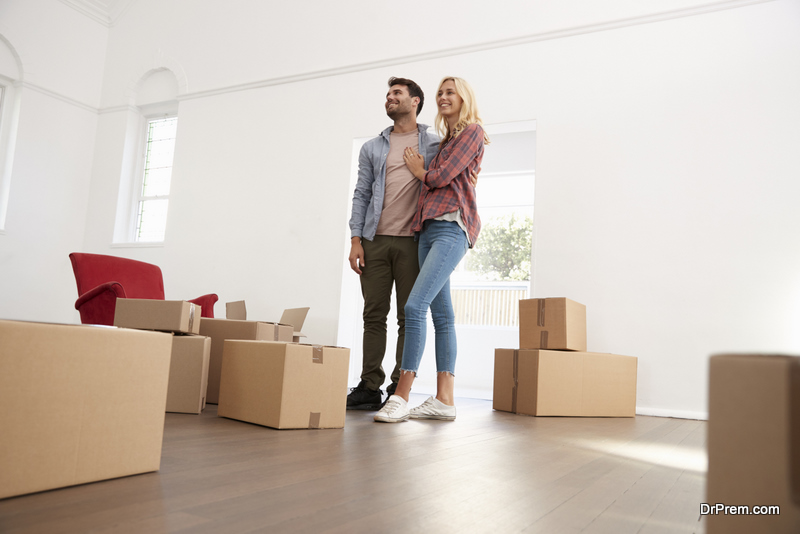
(221, 329)
(188, 374)
(162, 315)
(549, 382)
(552, 323)
(79, 404)
(294, 317)
(753, 442)
(284, 385)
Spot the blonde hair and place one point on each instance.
(468, 114)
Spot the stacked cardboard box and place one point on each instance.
(177, 316)
(80, 404)
(554, 323)
(551, 374)
(188, 374)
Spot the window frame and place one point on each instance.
(9, 108)
(147, 113)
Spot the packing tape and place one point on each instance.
(516, 383)
(316, 355)
(543, 339)
(313, 420)
(275, 330)
(794, 429)
(192, 306)
(540, 314)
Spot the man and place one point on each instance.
(383, 251)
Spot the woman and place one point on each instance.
(447, 224)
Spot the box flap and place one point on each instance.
(295, 317)
(236, 310)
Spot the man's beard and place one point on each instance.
(397, 112)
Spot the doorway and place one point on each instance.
(489, 282)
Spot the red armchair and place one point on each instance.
(102, 279)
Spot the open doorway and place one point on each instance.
(488, 283)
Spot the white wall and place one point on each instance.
(665, 159)
(62, 55)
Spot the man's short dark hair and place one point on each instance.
(413, 89)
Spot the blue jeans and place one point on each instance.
(442, 244)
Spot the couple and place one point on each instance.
(410, 227)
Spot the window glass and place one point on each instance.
(151, 220)
(491, 279)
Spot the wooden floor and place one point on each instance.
(485, 472)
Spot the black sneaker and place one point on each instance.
(390, 389)
(363, 398)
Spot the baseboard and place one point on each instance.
(677, 414)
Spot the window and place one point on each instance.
(9, 105)
(151, 213)
(10, 98)
(491, 279)
(148, 150)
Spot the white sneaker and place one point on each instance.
(433, 408)
(394, 411)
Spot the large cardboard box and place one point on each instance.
(284, 385)
(549, 382)
(552, 323)
(188, 374)
(162, 315)
(753, 444)
(79, 404)
(221, 329)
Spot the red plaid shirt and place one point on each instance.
(446, 186)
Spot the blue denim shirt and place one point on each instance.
(371, 184)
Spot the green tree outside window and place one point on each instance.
(503, 250)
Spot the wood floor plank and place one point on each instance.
(486, 472)
(679, 511)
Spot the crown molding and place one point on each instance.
(105, 12)
(122, 5)
(117, 109)
(480, 47)
(94, 9)
(58, 96)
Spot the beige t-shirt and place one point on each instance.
(402, 188)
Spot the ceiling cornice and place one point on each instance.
(106, 12)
